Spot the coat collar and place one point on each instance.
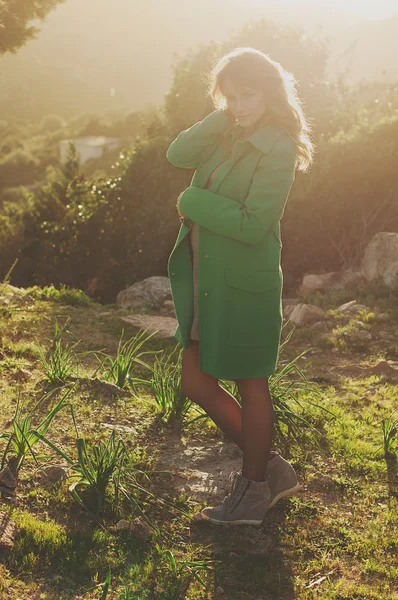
(264, 138)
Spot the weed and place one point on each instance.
(390, 435)
(62, 362)
(166, 387)
(119, 370)
(96, 468)
(23, 438)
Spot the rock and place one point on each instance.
(360, 336)
(121, 428)
(381, 259)
(153, 290)
(123, 524)
(383, 317)
(54, 473)
(164, 326)
(306, 314)
(10, 293)
(8, 482)
(384, 368)
(321, 282)
(23, 374)
(289, 301)
(384, 335)
(351, 307)
(7, 532)
(141, 529)
(287, 310)
(27, 299)
(319, 326)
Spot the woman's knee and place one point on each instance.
(250, 387)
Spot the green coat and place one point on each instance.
(239, 272)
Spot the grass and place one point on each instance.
(336, 540)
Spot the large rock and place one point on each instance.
(381, 259)
(321, 282)
(164, 326)
(304, 314)
(153, 290)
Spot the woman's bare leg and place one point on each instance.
(257, 426)
(204, 390)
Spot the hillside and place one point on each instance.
(337, 536)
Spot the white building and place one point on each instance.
(91, 146)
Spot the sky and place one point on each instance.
(369, 9)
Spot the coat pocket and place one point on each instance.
(254, 281)
(253, 307)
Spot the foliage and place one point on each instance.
(61, 360)
(96, 467)
(119, 370)
(166, 386)
(16, 21)
(23, 438)
(389, 428)
(63, 295)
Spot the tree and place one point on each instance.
(15, 21)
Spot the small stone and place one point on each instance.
(23, 374)
(119, 427)
(8, 482)
(141, 529)
(54, 473)
(361, 336)
(383, 317)
(347, 306)
(123, 524)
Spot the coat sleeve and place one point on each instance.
(189, 147)
(263, 207)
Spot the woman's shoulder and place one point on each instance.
(272, 138)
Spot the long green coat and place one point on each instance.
(239, 273)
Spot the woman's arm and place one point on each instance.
(190, 146)
(264, 205)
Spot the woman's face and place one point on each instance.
(246, 104)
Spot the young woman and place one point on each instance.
(225, 271)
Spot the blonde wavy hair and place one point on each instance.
(284, 108)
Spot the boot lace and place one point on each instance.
(230, 499)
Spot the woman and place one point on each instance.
(225, 271)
